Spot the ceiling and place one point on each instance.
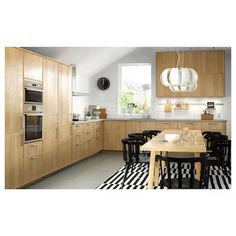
(88, 60)
(91, 60)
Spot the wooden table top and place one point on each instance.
(158, 143)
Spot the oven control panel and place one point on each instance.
(33, 108)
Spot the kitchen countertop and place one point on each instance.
(140, 119)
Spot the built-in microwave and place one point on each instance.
(33, 127)
(33, 92)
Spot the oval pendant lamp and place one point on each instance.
(179, 79)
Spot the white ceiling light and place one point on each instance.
(179, 79)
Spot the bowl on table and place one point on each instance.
(171, 137)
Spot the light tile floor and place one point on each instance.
(87, 174)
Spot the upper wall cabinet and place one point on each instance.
(208, 64)
(33, 67)
(213, 67)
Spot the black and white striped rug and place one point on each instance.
(137, 179)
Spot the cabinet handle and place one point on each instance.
(57, 133)
(21, 122)
(34, 158)
(211, 124)
(33, 145)
(189, 123)
(22, 139)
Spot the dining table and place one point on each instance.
(190, 142)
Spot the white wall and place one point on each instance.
(109, 98)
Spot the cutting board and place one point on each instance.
(103, 114)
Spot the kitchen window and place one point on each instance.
(134, 89)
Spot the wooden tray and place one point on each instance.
(207, 117)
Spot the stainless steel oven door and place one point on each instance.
(33, 127)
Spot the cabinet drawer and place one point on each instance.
(32, 167)
(213, 126)
(190, 125)
(88, 126)
(33, 148)
(77, 138)
(166, 125)
(78, 128)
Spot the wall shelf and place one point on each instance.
(79, 94)
(200, 103)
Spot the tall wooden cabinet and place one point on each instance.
(25, 163)
(13, 117)
(50, 128)
(64, 116)
(208, 64)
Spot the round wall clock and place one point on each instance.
(103, 83)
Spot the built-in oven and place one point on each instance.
(33, 127)
(33, 92)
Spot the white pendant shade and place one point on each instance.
(180, 79)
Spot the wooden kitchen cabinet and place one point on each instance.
(213, 67)
(64, 94)
(208, 64)
(64, 146)
(13, 117)
(132, 127)
(189, 125)
(98, 136)
(164, 60)
(114, 131)
(78, 142)
(33, 161)
(33, 167)
(216, 126)
(33, 68)
(50, 106)
(147, 125)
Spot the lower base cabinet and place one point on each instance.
(33, 166)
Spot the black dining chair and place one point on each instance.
(220, 157)
(132, 154)
(149, 134)
(209, 136)
(183, 180)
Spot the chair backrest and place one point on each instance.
(210, 137)
(222, 151)
(131, 135)
(131, 148)
(149, 134)
(179, 161)
(214, 140)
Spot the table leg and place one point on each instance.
(151, 169)
(197, 166)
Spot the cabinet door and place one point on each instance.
(13, 90)
(114, 131)
(64, 146)
(32, 168)
(164, 60)
(50, 93)
(132, 127)
(50, 150)
(190, 125)
(214, 126)
(33, 67)
(193, 60)
(213, 74)
(64, 99)
(78, 151)
(13, 160)
(147, 125)
(166, 125)
(13, 117)
(98, 136)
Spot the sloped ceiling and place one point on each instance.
(88, 60)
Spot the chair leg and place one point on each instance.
(207, 176)
(125, 175)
